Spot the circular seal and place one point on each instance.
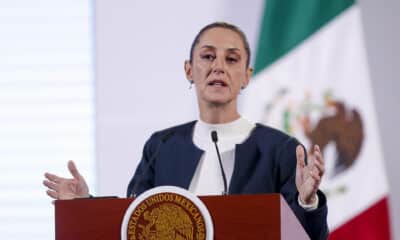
(167, 213)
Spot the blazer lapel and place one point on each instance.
(187, 157)
(245, 155)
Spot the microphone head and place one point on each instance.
(214, 136)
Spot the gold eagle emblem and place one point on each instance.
(166, 222)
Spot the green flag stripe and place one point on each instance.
(286, 23)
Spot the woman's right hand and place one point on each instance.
(66, 188)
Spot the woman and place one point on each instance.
(257, 159)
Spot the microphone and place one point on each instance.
(214, 138)
(146, 168)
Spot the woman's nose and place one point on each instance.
(218, 66)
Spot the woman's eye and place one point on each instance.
(231, 60)
(208, 57)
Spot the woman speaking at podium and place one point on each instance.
(254, 158)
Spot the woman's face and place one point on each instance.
(218, 67)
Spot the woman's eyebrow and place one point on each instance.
(209, 47)
(233, 49)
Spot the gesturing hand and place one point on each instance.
(308, 177)
(66, 188)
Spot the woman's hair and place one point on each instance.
(226, 26)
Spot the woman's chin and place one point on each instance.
(218, 101)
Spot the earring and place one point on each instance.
(191, 84)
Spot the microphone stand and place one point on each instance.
(214, 137)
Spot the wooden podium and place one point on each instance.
(261, 216)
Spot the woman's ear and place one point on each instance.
(188, 70)
(249, 73)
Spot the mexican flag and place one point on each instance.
(311, 80)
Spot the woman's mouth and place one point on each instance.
(217, 83)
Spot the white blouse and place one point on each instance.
(207, 179)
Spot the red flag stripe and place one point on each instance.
(371, 224)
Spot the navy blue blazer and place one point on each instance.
(264, 163)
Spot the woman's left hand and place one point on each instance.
(308, 177)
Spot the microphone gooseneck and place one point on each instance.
(146, 168)
(214, 138)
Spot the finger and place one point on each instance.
(316, 148)
(73, 170)
(320, 168)
(52, 194)
(314, 174)
(300, 156)
(318, 154)
(50, 185)
(318, 160)
(52, 177)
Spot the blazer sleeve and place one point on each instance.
(315, 221)
(143, 179)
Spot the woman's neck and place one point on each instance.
(216, 114)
